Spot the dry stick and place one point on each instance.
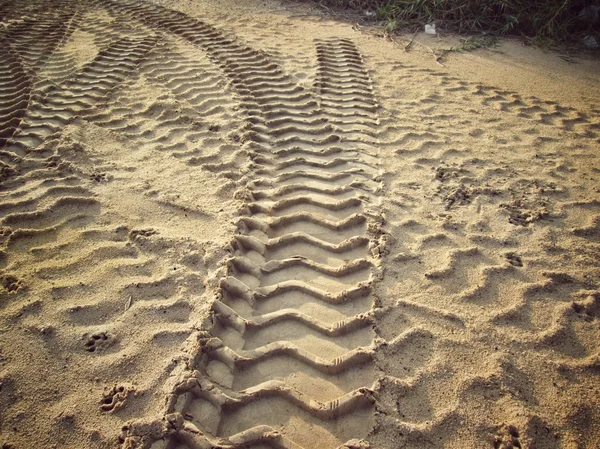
(437, 57)
(128, 304)
(411, 42)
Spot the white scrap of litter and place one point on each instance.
(430, 28)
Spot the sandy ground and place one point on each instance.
(259, 215)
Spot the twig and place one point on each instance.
(411, 42)
(436, 56)
(128, 304)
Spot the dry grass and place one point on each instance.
(553, 21)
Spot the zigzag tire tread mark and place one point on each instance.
(293, 315)
(35, 39)
(274, 104)
(183, 74)
(341, 78)
(15, 91)
(57, 105)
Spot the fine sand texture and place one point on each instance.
(253, 225)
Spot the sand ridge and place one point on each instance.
(272, 230)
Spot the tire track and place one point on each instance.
(286, 359)
(35, 39)
(182, 119)
(44, 202)
(535, 110)
(58, 105)
(63, 255)
(15, 92)
(264, 90)
(344, 85)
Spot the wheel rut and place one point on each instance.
(286, 361)
(285, 358)
(131, 134)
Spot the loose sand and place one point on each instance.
(236, 216)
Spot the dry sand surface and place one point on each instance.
(250, 225)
